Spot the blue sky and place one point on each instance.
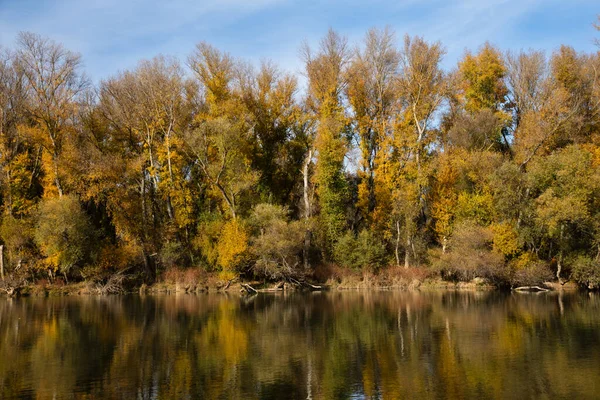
(113, 35)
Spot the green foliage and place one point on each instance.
(64, 234)
(17, 236)
(276, 242)
(586, 271)
(362, 251)
(171, 254)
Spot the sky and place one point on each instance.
(114, 35)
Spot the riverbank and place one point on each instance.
(186, 282)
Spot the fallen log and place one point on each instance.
(305, 284)
(277, 288)
(229, 282)
(531, 289)
(249, 289)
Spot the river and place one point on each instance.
(331, 345)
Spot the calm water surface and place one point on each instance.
(343, 345)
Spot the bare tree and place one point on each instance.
(53, 83)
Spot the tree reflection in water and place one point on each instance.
(319, 346)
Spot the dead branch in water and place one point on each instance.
(229, 282)
(249, 289)
(114, 285)
(304, 284)
(531, 289)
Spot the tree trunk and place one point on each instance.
(2, 261)
(397, 249)
(306, 249)
(249, 289)
(170, 211)
(308, 233)
(57, 180)
(560, 255)
(143, 196)
(407, 252)
(148, 265)
(8, 192)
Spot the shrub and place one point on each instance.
(529, 271)
(359, 252)
(276, 243)
(171, 254)
(470, 255)
(17, 235)
(64, 234)
(586, 272)
(506, 240)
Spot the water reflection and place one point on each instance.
(317, 346)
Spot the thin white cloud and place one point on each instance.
(115, 34)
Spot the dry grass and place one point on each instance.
(183, 280)
(390, 277)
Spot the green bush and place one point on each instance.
(64, 234)
(171, 254)
(17, 236)
(276, 243)
(365, 251)
(586, 272)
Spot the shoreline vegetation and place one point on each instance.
(182, 283)
(380, 170)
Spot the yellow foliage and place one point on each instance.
(477, 207)
(506, 240)
(482, 75)
(49, 179)
(524, 261)
(233, 243)
(444, 194)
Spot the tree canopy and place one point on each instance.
(491, 169)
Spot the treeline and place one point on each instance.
(384, 158)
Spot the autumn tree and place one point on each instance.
(19, 160)
(220, 142)
(567, 111)
(64, 234)
(220, 145)
(403, 162)
(526, 74)
(279, 137)
(139, 120)
(371, 92)
(565, 186)
(326, 71)
(53, 81)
